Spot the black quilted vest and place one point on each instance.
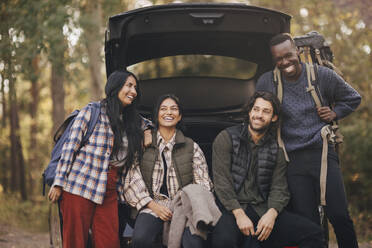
(241, 157)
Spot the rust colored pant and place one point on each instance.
(80, 214)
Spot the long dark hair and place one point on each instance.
(123, 119)
(180, 125)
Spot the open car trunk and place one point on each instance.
(232, 30)
(235, 30)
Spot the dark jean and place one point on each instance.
(289, 230)
(148, 228)
(303, 181)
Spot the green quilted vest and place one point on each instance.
(182, 159)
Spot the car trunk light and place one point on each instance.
(207, 18)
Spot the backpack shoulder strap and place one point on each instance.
(278, 83)
(96, 111)
(65, 125)
(316, 83)
(311, 81)
(277, 78)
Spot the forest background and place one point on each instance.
(52, 62)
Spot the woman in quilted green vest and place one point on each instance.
(169, 164)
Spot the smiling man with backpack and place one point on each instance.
(307, 132)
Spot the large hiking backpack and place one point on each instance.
(315, 50)
(62, 135)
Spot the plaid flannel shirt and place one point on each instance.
(136, 193)
(83, 171)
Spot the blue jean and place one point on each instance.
(303, 181)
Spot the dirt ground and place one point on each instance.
(11, 237)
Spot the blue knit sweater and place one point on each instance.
(301, 124)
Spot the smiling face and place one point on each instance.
(128, 92)
(285, 57)
(169, 114)
(261, 116)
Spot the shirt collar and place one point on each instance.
(162, 144)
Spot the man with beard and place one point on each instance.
(301, 128)
(249, 172)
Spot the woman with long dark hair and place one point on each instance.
(90, 177)
(170, 163)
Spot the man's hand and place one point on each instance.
(244, 223)
(163, 212)
(326, 114)
(54, 193)
(147, 137)
(266, 224)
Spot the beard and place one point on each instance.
(259, 130)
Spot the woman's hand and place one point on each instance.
(163, 212)
(54, 193)
(147, 137)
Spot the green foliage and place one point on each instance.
(191, 65)
(356, 163)
(31, 215)
(356, 167)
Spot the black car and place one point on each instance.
(210, 55)
(216, 37)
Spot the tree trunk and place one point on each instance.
(58, 47)
(16, 153)
(93, 42)
(174, 64)
(13, 151)
(33, 149)
(158, 70)
(4, 148)
(58, 95)
(3, 102)
(18, 181)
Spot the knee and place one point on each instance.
(191, 241)
(340, 218)
(146, 230)
(222, 240)
(142, 240)
(314, 240)
(226, 233)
